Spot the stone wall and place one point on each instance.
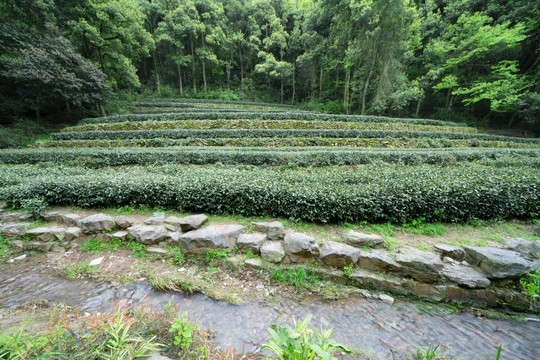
(479, 275)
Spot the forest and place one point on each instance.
(468, 61)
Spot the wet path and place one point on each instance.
(381, 330)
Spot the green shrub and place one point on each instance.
(371, 193)
(276, 133)
(264, 124)
(300, 342)
(284, 156)
(33, 206)
(259, 115)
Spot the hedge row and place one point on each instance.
(173, 110)
(278, 133)
(261, 124)
(212, 101)
(291, 142)
(259, 115)
(366, 193)
(311, 157)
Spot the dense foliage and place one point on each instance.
(462, 60)
(259, 156)
(370, 193)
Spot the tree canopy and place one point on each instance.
(462, 60)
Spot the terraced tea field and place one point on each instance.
(270, 159)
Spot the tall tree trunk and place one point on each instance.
(450, 103)
(281, 91)
(448, 96)
(313, 79)
(180, 85)
(68, 109)
(203, 73)
(293, 81)
(156, 67)
(512, 119)
(321, 80)
(203, 63)
(241, 65)
(365, 93)
(193, 64)
(417, 108)
(102, 110)
(346, 90)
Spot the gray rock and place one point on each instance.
(528, 248)
(301, 248)
(17, 245)
(174, 238)
(96, 223)
(376, 281)
(172, 223)
(250, 242)
(338, 254)
(14, 229)
(356, 238)
(38, 245)
(156, 250)
(12, 217)
(157, 220)
(146, 234)
(120, 235)
(96, 261)
(377, 260)
(72, 233)
(156, 356)
(465, 275)
(274, 230)
(49, 215)
(192, 222)
(18, 258)
(47, 233)
(57, 248)
(450, 251)
(69, 219)
(273, 251)
(212, 237)
(420, 265)
(123, 222)
(386, 299)
(500, 263)
(254, 263)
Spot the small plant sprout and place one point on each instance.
(301, 342)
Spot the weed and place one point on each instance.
(95, 246)
(138, 250)
(419, 226)
(212, 255)
(298, 278)
(531, 285)
(250, 255)
(348, 271)
(183, 330)
(178, 256)
(78, 270)
(301, 343)
(4, 246)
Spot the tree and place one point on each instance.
(111, 33)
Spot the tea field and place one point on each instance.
(270, 159)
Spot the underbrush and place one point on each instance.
(127, 333)
(299, 278)
(25, 132)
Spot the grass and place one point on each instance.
(79, 270)
(96, 246)
(125, 332)
(4, 246)
(299, 278)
